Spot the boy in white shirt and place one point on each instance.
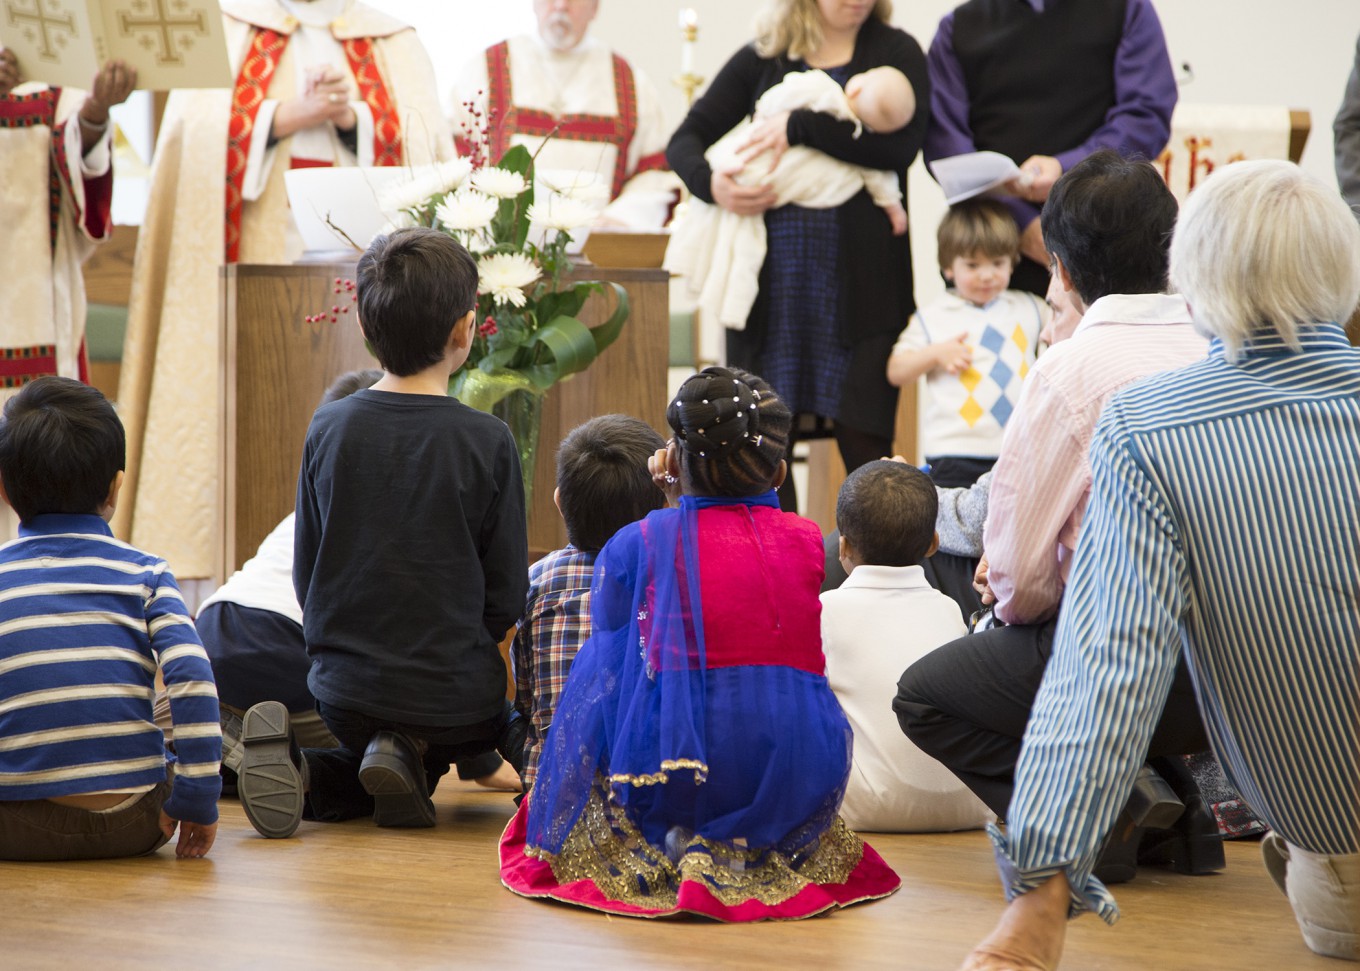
(974, 345)
(881, 620)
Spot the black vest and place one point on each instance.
(1038, 83)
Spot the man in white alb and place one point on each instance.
(603, 115)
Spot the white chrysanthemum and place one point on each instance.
(426, 182)
(466, 209)
(501, 183)
(504, 276)
(452, 173)
(561, 213)
(410, 194)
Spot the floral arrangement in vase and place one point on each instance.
(529, 334)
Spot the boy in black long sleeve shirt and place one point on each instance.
(410, 562)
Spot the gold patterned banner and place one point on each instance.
(171, 43)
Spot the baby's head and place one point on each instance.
(602, 478)
(882, 98)
(886, 514)
(732, 431)
(978, 246)
(62, 450)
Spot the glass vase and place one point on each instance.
(522, 411)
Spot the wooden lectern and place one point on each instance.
(277, 366)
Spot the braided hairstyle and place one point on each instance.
(732, 431)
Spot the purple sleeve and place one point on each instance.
(1139, 122)
(949, 132)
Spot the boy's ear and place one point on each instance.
(461, 335)
(111, 501)
(934, 545)
(843, 548)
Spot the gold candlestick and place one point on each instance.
(687, 81)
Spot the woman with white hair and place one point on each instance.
(836, 283)
(1223, 520)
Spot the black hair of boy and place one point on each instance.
(1109, 219)
(886, 512)
(733, 432)
(413, 286)
(350, 382)
(602, 478)
(61, 446)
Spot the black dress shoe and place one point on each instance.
(393, 775)
(1151, 803)
(1193, 845)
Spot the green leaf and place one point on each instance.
(570, 343)
(608, 332)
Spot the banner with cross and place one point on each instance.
(170, 43)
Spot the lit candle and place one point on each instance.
(689, 33)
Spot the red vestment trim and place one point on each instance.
(20, 365)
(617, 130)
(257, 70)
(387, 147)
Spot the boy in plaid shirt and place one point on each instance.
(602, 485)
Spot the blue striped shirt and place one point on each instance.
(85, 623)
(1225, 519)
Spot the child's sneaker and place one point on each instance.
(271, 782)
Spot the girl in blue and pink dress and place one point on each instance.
(698, 758)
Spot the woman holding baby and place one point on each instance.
(836, 283)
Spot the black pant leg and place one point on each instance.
(967, 703)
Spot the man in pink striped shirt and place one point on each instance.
(1107, 226)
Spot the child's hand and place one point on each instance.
(663, 466)
(981, 585)
(195, 839)
(953, 356)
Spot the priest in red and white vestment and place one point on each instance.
(55, 192)
(54, 210)
(606, 114)
(318, 82)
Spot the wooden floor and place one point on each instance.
(352, 896)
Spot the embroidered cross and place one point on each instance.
(162, 22)
(49, 24)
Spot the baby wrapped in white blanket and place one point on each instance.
(719, 253)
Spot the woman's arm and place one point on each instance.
(729, 99)
(893, 151)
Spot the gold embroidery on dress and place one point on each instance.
(667, 767)
(607, 849)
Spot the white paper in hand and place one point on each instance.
(964, 176)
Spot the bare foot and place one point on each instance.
(1029, 936)
(504, 779)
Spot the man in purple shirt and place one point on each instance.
(1046, 83)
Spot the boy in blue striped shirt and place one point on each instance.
(86, 622)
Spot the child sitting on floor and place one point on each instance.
(719, 253)
(86, 623)
(882, 618)
(698, 758)
(251, 627)
(410, 563)
(602, 485)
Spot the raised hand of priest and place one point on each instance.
(111, 86)
(325, 100)
(9, 71)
